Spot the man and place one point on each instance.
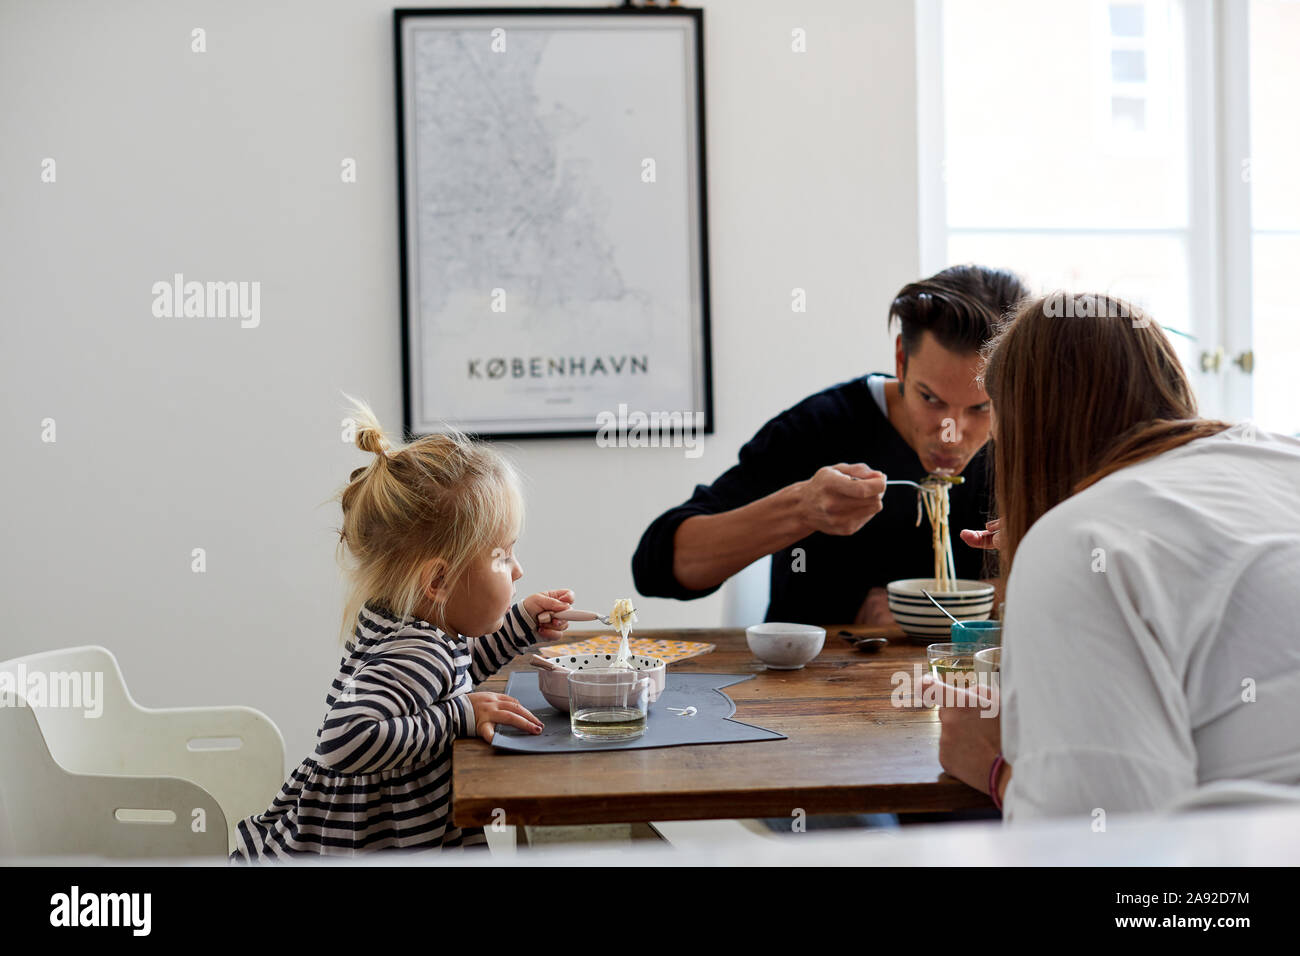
(809, 488)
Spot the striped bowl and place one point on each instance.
(922, 621)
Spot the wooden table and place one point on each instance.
(848, 750)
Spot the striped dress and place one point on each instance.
(380, 777)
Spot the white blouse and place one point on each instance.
(1152, 633)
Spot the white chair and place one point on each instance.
(233, 754)
(46, 811)
(746, 593)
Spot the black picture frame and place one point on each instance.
(703, 352)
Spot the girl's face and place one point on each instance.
(479, 604)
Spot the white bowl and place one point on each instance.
(785, 647)
(554, 685)
(966, 601)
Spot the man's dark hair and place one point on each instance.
(960, 306)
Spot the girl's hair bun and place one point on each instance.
(370, 434)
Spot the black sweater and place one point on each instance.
(841, 424)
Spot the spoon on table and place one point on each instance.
(868, 644)
(942, 608)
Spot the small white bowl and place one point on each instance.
(554, 685)
(921, 620)
(785, 647)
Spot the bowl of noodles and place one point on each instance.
(964, 599)
(554, 685)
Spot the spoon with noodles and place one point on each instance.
(621, 619)
(577, 617)
(936, 477)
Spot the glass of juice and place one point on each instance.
(608, 703)
(953, 663)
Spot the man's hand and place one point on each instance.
(840, 499)
(875, 610)
(492, 709)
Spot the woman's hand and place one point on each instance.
(538, 604)
(990, 539)
(968, 741)
(492, 709)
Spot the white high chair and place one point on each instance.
(69, 781)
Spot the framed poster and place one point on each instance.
(554, 234)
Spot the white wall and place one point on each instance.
(175, 434)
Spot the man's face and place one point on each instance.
(946, 415)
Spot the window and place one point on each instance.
(1126, 45)
(1273, 343)
(1099, 146)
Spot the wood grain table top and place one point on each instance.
(848, 749)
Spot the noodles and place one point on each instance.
(623, 617)
(934, 497)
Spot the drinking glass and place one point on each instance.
(953, 663)
(608, 703)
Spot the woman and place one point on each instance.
(1152, 632)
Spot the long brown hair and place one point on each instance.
(1082, 385)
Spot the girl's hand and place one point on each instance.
(990, 539)
(968, 741)
(492, 709)
(538, 604)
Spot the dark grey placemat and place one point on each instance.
(710, 725)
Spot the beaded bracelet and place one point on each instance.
(993, 780)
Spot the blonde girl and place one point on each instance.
(431, 530)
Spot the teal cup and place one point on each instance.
(977, 632)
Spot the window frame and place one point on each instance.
(1218, 233)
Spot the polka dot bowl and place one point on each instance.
(554, 685)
